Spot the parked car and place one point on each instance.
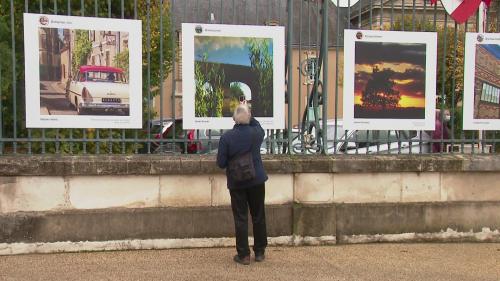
(99, 88)
(162, 135)
(362, 141)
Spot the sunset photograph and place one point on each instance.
(389, 80)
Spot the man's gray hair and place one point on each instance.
(242, 114)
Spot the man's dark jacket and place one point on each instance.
(237, 141)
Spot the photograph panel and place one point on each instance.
(83, 72)
(389, 80)
(221, 68)
(86, 77)
(482, 90)
(231, 69)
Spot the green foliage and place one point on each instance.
(209, 96)
(121, 61)
(450, 83)
(5, 62)
(82, 50)
(159, 58)
(261, 63)
(235, 90)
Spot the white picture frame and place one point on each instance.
(481, 83)
(411, 56)
(223, 49)
(49, 43)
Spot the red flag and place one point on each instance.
(466, 9)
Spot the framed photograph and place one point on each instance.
(224, 65)
(80, 72)
(389, 80)
(481, 100)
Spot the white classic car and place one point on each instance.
(99, 88)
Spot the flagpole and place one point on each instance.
(482, 17)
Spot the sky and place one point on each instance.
(60, 33)
(406, 60)
(223, 49)
(493, 49)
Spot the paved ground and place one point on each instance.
(53, 100)
(349, 262)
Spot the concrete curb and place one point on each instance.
(450, 235)
(151, 244)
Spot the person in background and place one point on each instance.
(246, 135)
(441, 130)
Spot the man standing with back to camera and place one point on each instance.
(246, 135)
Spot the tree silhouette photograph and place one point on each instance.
(389, 80)
(229, 70)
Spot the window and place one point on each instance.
(483, 92)
(104, 76)
(490, 93)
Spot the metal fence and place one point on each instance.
(314, 54)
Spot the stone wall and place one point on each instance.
(346, 199)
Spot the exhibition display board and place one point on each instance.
(389, 80)
(82, 72)
(224, 65)
(481, 100)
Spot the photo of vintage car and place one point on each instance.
(99, 90)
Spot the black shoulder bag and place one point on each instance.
(241, 166)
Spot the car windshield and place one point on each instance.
(102, 76)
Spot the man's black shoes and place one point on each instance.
(244, 260)
(259, 257)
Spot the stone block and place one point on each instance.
(213, 222)
(220, 193)
(279, 219)
(478, 186)
(114, 191)
(279, 189)
(19, 194)
(367, 187)
(185, 190)
(313, 188)
(314, 220)
(421, 187)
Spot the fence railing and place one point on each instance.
(314, 66)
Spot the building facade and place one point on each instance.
(487, 82)
(50, 56)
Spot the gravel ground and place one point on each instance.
(478, 261)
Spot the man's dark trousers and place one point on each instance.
(241, 200)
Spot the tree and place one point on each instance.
(82, 50)
(235, 90)
(209, 95)
(121, 61)
(379, 90)
(261, 63)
